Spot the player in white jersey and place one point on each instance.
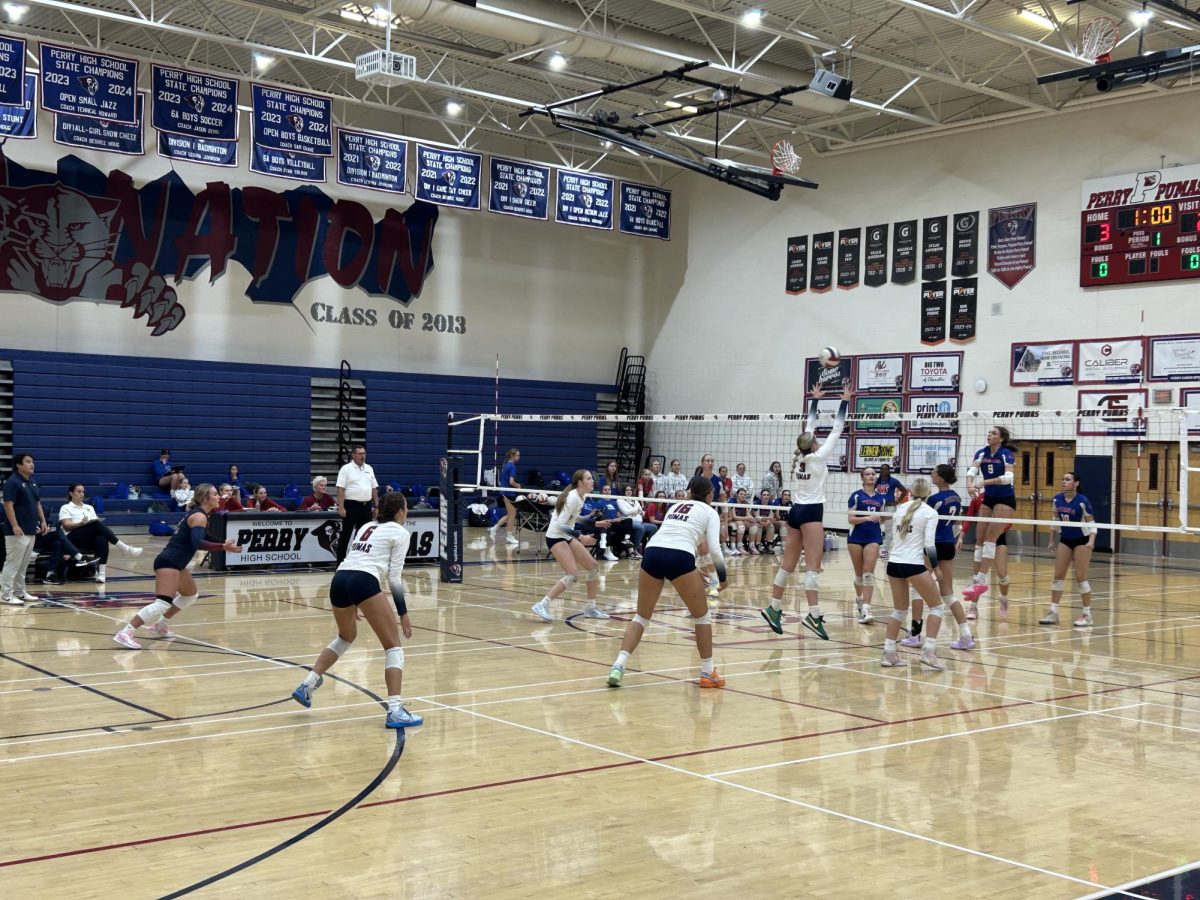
(375, 557)
(671, 556)
(911, 564)
(805, 520)
(570, 548)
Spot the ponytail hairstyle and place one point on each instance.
(920, 490)
(804, 444)
(579, 475)
(390, 506)
(945, 471)
(1075, 476)
(198, 496)
(507, 456)
(700, 489)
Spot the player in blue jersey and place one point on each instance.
(890, 487)
(993, 471)
(866, 538)
(1076, 538)
(948, 504)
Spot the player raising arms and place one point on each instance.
(914, 554)
(570, 549)
(671, 556)
(993, 470)
(1075, 545)
(805, 520)
(375, 557)
(866, 537)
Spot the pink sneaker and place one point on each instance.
(972, 611)
(929, 658)
(160, 628)
(974, 592)
(753, 550)
(890, 660)
(913, 640)
(963, 643)
(126, 639)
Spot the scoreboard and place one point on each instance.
(1140, 227)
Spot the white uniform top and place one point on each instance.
(357, 480)
(908, 546)
(378, 548)
(685, 525)
(811, 471)
(562, 522)
(76, 512)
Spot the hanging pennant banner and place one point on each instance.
(96, 134)
(904, 252)
(966, 245)
(933, 249)
(197, 150)
(20, 120)
(292, 120)
(933, 312)
(282, 164)
(876, 274)
(12, 71)
(519, 189)
(584, 199)
(1012, 243)
(849, 245)
(369, 160)
(645, 210)
(194, 103)
(797, 264)
(964, 295)
(81, 83)
(822, 261)
(448, 177)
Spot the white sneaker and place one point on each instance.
(594, 612)
(541, 609)
(1050, 618)
(29, 598)
(12, 601)
(99, 577)
(608, 555)
(864, 616)
(131, 551)
(1084, 620)
(125, 639)
(160, 628)
(929, 658)
(512, 541)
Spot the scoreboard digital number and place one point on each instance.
(1141, 227)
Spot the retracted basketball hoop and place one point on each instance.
(1099, 39)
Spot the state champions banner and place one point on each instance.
(645, 211)
(286, 164)
(19, 120)
(519, 189)
(448, 177)
(83, 83)
(194, 103)
(198, 150)
(96, 134)
(584, 200)
(13, 87)
(291, 121)
(367, 159)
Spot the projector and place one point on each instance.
(385, 68)
(828, 92)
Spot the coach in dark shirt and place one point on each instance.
(24, 520)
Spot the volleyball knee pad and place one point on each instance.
(936, 612)
(338, 646)
(641, 620)
(989, 550)
(1084, 587)
(811, 580)
(781, 577)
(1005, 581)
(868, 580)
(594, 574)
(182, 603)
(394, 658)
(899, 615)
(978, 553)
(152, 612)
(705, 619)
(567, 580)
(1057, 585)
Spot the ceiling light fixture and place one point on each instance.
(558, 62)
(1035, 19)
(1141, 18)
(263, 61)
(752, 18)
(454, 108)
(16, 11)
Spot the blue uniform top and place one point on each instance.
(1072, 511)
(24, 495)
(992, 466)
(868, 504)
(887, 489)
(945, 503)
(186, 541)
(162, 469)
(508, 471)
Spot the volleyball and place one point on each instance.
(829, 357)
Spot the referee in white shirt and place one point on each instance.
(357, 497)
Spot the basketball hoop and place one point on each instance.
(1099, 38)
(784, 159)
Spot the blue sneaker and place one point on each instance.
(402, 718)
(303, 694)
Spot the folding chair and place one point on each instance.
(533, 516)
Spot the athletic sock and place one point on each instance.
(815, 611)
(123, 547)
(393, 703)
(1054, 607)
(128, 629)
(889, 646)
(706, 666)
(622, 658)
(930, 645)
(777, 605)
(311, 679)
(964, 630)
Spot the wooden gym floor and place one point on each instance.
(1049, 762)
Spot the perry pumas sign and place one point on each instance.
(1150, 186)
(80, 234)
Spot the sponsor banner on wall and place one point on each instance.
(645, 211)
(797, 264)
(83, 83)
(1189, 399)
(933, 249)
(1050, 363)
(880, 374)
(839, 460)
(933, 312)
(876, 450)
(904, 252)
(822, 261)
(1112, 412)
(924, 452)
(295, 121)
(877, 414)
(283, 164)
(20, 120)
(1117, 361)
(96, 134)
(448, 177)
(964, 303)
(1012, 243)
(13, 90)
(849, 245)
(519, 189)
(194, 103)
(1175, 357)
(935, 372)
(197, 150)
(827, 408)
(831, 380)
(875, 273)
(934, 413)
(585, 200)
(966, 245)
(378, 162)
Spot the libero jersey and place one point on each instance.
(378, 548)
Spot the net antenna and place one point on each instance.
(784, 159)
(1099, 38)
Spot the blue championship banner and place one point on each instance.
(448, 177)
(195, 104)
(95, 134)
(645, 210)
(584, 200)
(519, 189)
(20, 120)
(369, 160)
(197, 149)
(81, 83)
(282, 164)
(292, 120)
(12, 71)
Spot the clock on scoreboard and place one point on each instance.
(1140, 227)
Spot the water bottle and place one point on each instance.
(828, 541)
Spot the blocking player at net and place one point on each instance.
(569, 549)
(994, 471)
(1075, 543)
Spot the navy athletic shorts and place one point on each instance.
(667, 563)
(352, 588)
(803, 513)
